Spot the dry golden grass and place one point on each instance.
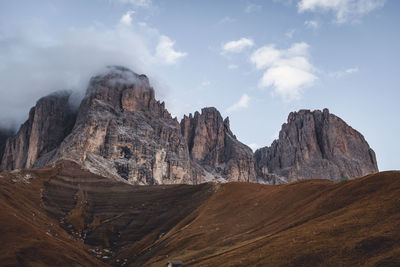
(308, 223)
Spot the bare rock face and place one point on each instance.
(48, 124)
(5, 133)
(212, 145)
(315, 144)
(123, 132)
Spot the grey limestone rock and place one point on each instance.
(315, 144)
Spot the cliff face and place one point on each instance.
(315, 144)
(4, 135)
(212, 145)
(123, 132)
(48, 124)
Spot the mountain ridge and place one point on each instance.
(120, 130)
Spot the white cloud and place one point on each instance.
(250, 8)
(165, 51)
(205, 83)
(241, 104)
(344, 10)
(233, 66)
(340, 74)
(352, 70)
(238, 46)
(285, 2)
(226, 19)
(35, 62)
(138, 3)
(311, 24)
(289, 34)
(288, 71)
(126, 19)
(265, 56)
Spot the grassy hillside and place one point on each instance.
(308, 223)
(67, 216)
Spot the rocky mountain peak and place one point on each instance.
(316, 144)
(124, 91)
(120, 130)
(211, 143)
(49, 122)
(5, 133)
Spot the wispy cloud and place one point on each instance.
(205, 83)
(288, 71)
(233, 66)
(341, 73)
(66, 60)
(166, 52)
(311, 24)
(237, 46)
(126, 19)
(241, 104)
(226, 19)
(344, 10)
(138, 3)
(352, 70)
(251, 8)
(289, 33)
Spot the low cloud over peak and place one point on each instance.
(36, 62)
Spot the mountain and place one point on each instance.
(119, 182)
(315, 144)
(4, 135)
(65, 215)
(212, 145)
(49, 122)
(120, 130)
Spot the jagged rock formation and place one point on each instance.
(123, 132)
(315, 144)
(49, 122)
(212, 145)
(5, 133)
(120, 130)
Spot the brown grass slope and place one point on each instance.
(56, 217)
(28, 236)
(308, 223)
(66, 216)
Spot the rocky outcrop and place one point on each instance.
(212, 145)
(5, 133)
(123, 132)
(315, 144)
(48, 124)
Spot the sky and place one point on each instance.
(255, 61)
